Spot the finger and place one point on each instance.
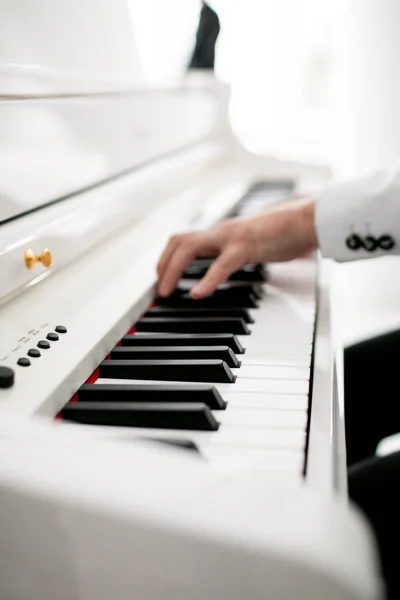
(229, 261)
(166, 255)
(179, 262)
(181, 254)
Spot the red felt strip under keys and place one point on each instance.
(95, 375)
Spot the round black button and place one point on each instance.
(354, 242)
(386, 242)
(34, 353)
(61, 329)
(53, 337)
(43, 345)
(24, 362)
(6, 377)
(370, 243)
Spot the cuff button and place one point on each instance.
(354, 242)
(386, 242)
(370, 243)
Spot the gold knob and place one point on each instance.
(31, 258)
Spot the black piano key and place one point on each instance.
(198, 312)
(187, 325)
(248, 273)
(176, 353)
(203, 262)
(235, 291)
(212, 371)
(156, 415)
(264, 194)
(232, 297)
(184, 339)
(207, 262)
(179, 443)
(111, 392)
(257, 291)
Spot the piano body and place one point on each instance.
(229, 478)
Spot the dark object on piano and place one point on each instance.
(371, 388)
(6, 377)
(203, 56)
(24, 362)
(155, 415)
(374, 487)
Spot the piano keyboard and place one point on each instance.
(227, 376)
(222, 376)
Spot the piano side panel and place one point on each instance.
(88, 520)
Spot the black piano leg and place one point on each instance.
(374, 487)
(372, 394)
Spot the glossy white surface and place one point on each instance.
(107, 513)
(54, 146)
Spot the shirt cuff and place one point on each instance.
(363, 208)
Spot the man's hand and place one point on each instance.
(282, 233)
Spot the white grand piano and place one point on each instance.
(148, 452)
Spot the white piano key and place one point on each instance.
(300, 316)
(290, 402)
(248, 417)
(229, 457)
(286, 321)
(271, 372)
(265, 386)
(243, 458)
(253, 436)
(227, 436)
(263, 343)
(275, 360)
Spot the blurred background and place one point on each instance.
(311, 79)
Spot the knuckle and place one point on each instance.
(175, 238)
(192, 242)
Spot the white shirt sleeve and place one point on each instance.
(366, 207)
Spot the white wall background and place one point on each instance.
(280, 58)
(278, 55)
(311, 79)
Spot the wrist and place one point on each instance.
(307, 229)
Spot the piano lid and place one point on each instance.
(77, 101)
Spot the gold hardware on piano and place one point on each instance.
(31, 258)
